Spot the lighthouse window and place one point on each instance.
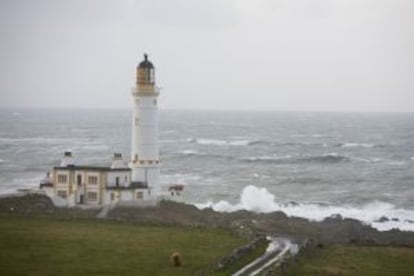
(62, 178)
(92, 196)
(137, 121)
(92, 179)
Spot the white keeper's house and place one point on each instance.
(135, 183)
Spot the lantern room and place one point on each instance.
(145, 73)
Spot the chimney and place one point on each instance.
(67, 160)
(117, 161)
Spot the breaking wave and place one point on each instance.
(380, 215)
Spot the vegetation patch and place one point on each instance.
(83, 247)
(354, 260)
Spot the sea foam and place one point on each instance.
(260, 200)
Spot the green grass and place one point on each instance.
(355, 260)
(80, 247)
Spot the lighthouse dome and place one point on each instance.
(145, 64)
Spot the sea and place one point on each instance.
(307, 164)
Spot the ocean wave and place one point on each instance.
(356, 145)
(260, 200)
(179, 178)
(35, 140)
(327, 158)
(194, 153)
(396, 163)
(96, 147)
(190, 152)
(318, 135)
(215, 142)
(288, 159)
(21, 183)
(260, 176)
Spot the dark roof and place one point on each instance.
(138, 184)
(146, 64)
(90, 168)
(46, 184)
(132, 186)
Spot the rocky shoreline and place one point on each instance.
(331, 230)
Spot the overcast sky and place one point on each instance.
(328, 55)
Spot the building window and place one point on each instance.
(62, 178)
(137, 121)
(142, 162)
(155, 102)
(140, 195)
(112, 196)
(92, 179)
(92, 196)
(150, 162)
(62, 194)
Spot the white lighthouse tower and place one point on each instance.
(145, 157)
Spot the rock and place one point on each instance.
(382, 219)
(336, 216)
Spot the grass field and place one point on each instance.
(355, 260)
(80, 247)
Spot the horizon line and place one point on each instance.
(204, 109)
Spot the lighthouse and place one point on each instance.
(135, 184)
(145, 157)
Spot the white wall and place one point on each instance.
(112, 175)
